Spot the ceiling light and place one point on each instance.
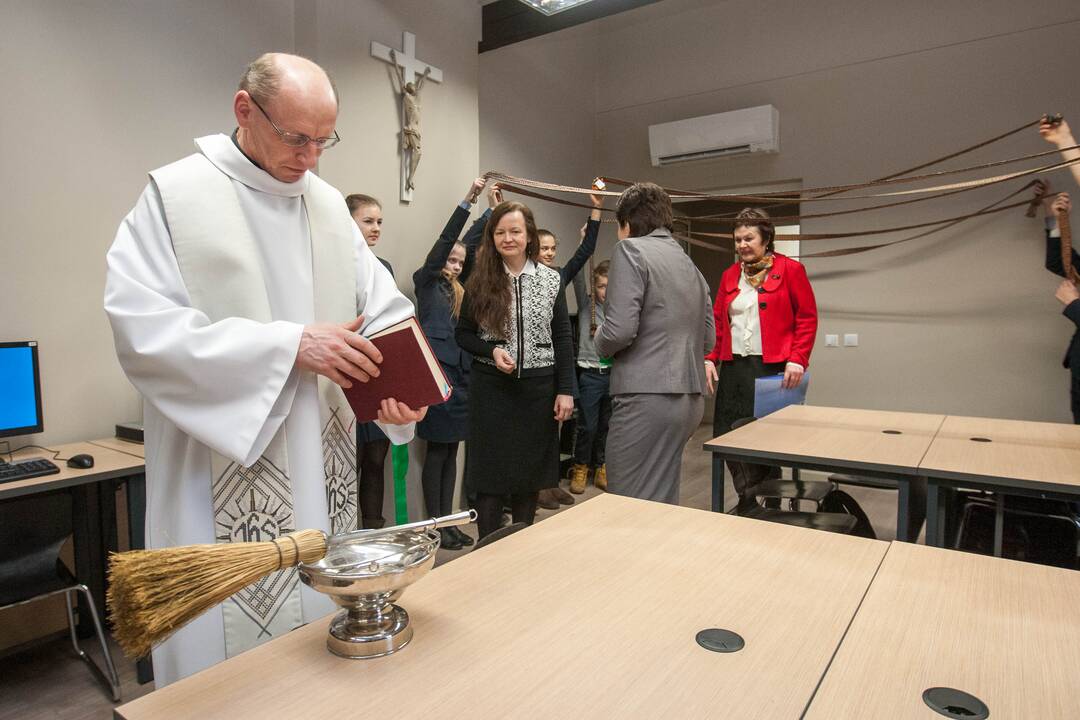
(550, 7)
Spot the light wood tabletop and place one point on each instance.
(108, 464)
(1019, 452)
(843, 437)
(124, 446)
(1006, 632)
(590, 614)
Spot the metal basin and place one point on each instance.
(365, 577)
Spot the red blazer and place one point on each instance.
(787, 308)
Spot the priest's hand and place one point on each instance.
(564, 407)
(393, 412)
(336, 351)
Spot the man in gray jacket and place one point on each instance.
(657, 326)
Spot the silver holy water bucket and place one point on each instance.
(365, 572)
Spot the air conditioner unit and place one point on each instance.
(755, 129)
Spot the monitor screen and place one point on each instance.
(20, 389)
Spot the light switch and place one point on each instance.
(832, 341)
(851, 340)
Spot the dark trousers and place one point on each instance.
(371, 456)
(592, 426)
(438, 478)
(734, 404)
(489, 510)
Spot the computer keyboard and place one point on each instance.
(10, 472)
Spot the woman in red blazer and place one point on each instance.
(766, 319)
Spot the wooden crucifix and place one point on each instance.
(408, 76)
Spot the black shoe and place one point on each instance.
(462, 537)
(449, 541)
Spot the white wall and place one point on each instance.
(538, 109)
(97, 93)
(963, 322)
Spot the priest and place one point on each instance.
(239, 292)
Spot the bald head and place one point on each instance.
(271, 73)
(284, 95)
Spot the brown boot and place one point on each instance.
(600, 479)
(579, 474)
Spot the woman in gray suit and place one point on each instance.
(657, 325)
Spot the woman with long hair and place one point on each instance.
(439, 294)
(515, 323)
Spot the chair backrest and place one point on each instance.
(34, 525)
(500, 534)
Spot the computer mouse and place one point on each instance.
(82, 461)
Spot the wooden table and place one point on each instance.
(93, 506)
(872, 443)
(1006, 632)
(1005, 456)
(125, 446)
(591, 613)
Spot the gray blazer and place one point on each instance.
(658, 320)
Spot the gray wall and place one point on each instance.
(964, 322)
(97, 93)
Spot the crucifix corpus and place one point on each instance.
(408, 76)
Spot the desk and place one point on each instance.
(1007, 632)
(93, 508)
(866, 442)
(591, 613)
(1021, 458)
(125, 446)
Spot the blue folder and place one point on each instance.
(770, 397)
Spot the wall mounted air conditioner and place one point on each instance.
(755, 129)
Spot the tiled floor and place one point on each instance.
(47, 682)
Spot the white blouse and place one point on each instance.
(745, 320)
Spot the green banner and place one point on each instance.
(399, 457)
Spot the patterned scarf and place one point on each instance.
(757, 272)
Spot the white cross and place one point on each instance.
(406, 58)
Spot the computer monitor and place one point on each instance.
(20, 389)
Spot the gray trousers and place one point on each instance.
(646, 437)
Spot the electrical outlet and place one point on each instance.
(832, 341)
(851, 340)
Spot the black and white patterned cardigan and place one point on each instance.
(538, 334)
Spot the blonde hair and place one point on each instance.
(457, 290)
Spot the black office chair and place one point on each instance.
(1033, 529)
(771, 488)
(32, 531)
(499, 534)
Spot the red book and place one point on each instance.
(410, 373)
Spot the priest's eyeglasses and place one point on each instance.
(298, 140)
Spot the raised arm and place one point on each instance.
(587, 247)
(435, 261)
(1058, 133)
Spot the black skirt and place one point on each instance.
(735, 394)
(513, 444)
(449, 421)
